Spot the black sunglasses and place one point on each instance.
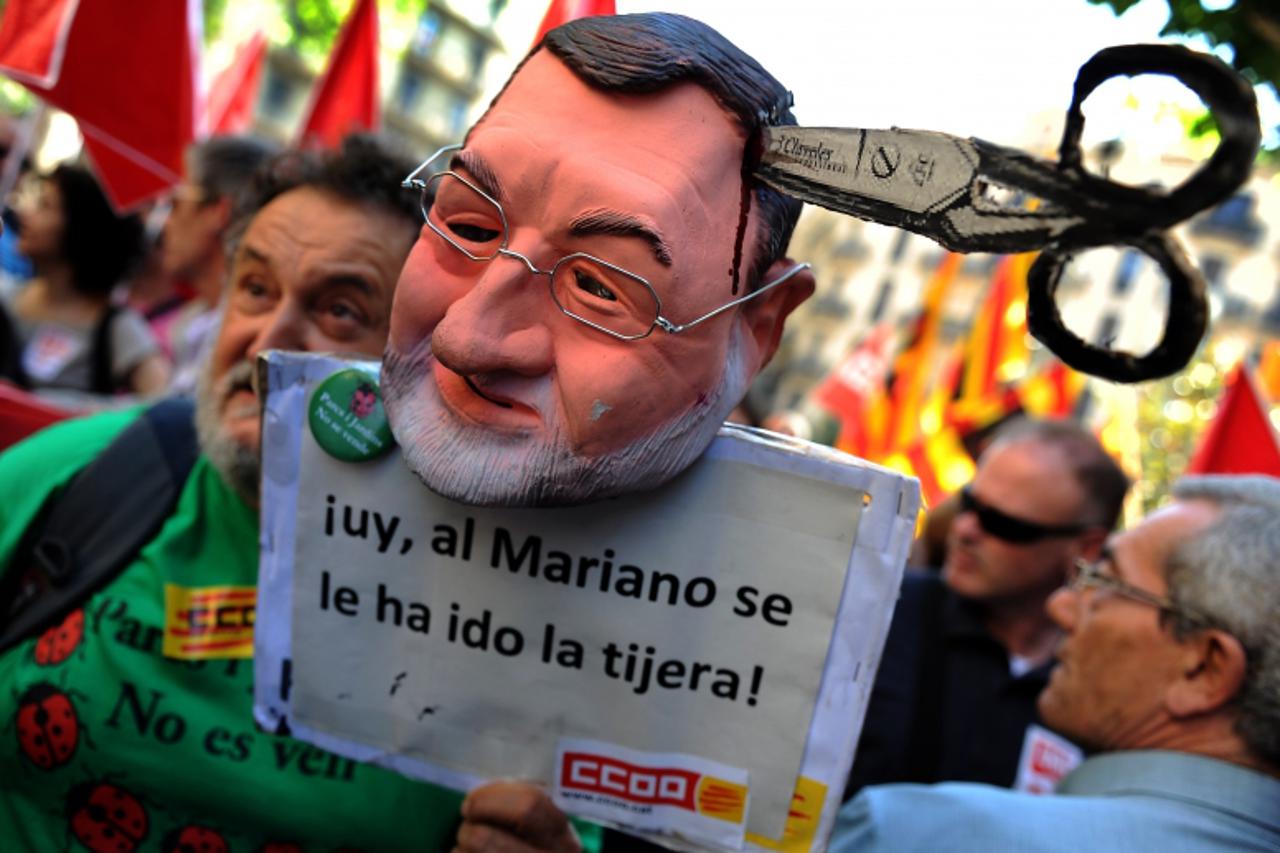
(1010, 528)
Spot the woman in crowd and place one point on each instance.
(62, 330)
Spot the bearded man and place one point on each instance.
(314, 262)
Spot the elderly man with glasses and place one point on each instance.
(1169, 674)
(968, 652)
(218, 171)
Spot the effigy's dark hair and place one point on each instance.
(100, 246)
(646, 53)
(363, 170)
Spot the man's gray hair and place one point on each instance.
(1230, 573)
(223, 166)
(1103, 481)
(364, 170)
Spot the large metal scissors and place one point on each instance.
(940, 186)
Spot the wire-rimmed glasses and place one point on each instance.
(1090, 575)
(591, 290)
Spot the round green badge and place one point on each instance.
(347, 418)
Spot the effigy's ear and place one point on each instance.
(766, 316)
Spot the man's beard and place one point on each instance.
(486, 467)
(240, 466)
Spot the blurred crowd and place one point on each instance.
(102, 308)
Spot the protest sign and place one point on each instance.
(672, 661)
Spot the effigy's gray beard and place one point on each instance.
(477, 466)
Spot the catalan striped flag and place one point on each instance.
(915, 366)
(996, 353)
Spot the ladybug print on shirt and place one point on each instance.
(56, 644)
(363, 400)
(194, 839)
(106, 818)
(47, 725)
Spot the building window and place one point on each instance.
(479, 51)
(1271, 319)
(443, 113)
(1126, 272)
(899, 246)
(424, 37)
(1232, 219)
(1211, 267)
(453, 52)
(882, 300)
(407, 90)
(457, 117)
(275, 101)
(1107, 330)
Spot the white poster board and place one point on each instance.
(672, 661)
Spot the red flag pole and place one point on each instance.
(23, 136)
(234, 92)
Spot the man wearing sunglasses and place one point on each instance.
(1169, 675)
(968, 652)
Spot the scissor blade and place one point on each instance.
(877, 174)
(927, 182)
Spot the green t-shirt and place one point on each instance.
(115, 746)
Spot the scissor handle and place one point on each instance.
(1230, 100)
(1140, 216)
(1185, 325)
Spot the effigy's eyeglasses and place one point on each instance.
(588, 289)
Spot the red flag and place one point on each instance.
(1053, 392)
(234, 92)
(1240, 440)
(346, 99)
(22, 413)
(128, 79)
(853, 381)
(854, 392)
(914, 366)
(564, 11)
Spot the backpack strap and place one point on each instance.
(101, 355)
(11, 350)
(97, 525)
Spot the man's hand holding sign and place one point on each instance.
(514, 816)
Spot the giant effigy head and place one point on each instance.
(599, 277)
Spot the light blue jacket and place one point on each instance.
(1128, 802)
